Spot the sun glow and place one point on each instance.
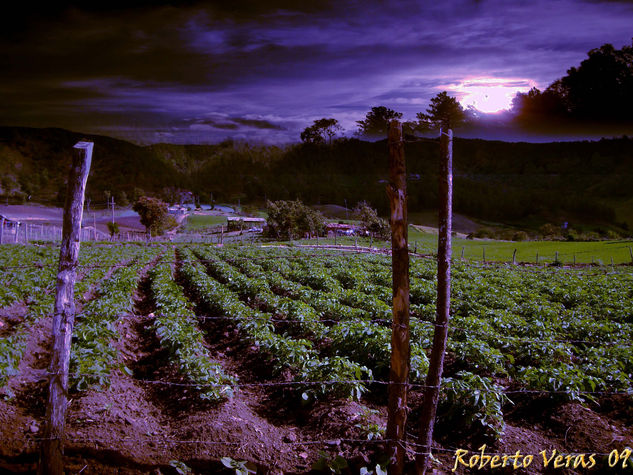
(490, 95)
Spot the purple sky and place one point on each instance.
(264, 70)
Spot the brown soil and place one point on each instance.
(11, 316)
(144, 422)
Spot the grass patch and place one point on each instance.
(597, 252)
(202, 222)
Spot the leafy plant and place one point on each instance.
(241, 467)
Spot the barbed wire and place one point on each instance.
(334, 382)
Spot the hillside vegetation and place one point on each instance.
(585, 183)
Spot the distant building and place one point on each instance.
(176, 210)
(245, 223)
(10, 225)
(341, 229)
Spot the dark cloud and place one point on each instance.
(258, 124)
(274, 66)
(235, 123)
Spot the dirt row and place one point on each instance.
(152, 421)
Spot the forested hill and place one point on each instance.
(587, 181)
(35, 163)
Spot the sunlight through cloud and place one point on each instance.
(490, 95)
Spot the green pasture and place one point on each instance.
(200, 222)
(596, 252)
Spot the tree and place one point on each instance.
(370, 221)
(321, 131)
(444, 112)
(377, 121)
(154, 215)
(602, 86)
(121, 198)
(113, 228)
(599, 90)
(292, 220)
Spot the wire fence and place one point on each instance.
(295, 253)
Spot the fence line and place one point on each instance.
(489, 265)
(333, 382)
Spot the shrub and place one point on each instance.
(549, 231)
(485, 233)
(154, 215)
(371, 222)
(293, 220)
(520, 236)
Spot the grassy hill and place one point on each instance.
(588, 184)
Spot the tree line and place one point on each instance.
(597, 93)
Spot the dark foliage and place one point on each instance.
(293, 220)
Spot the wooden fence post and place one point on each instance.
(17, 230)
(631, 253)
(440, 336)
(52, 450)
(2, 229)
(400, 349)
(462, 256)
(514, 258)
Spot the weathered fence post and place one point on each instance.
(436, 362)
(2, 229)
(631, 253)
(17, 231)
(514, 258)
(484, 254)
(462, 256)
(52, 449)
(400, 349)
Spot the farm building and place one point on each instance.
(341, 229)
(8, 224)
(244, 222)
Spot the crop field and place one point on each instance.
(276, 360)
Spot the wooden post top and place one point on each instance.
(84, 144)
